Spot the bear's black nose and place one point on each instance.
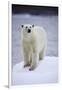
(29, 30)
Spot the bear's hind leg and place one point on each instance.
(42, 54)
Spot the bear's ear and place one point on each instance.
(33, 25)
(22, 26)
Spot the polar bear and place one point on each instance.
(33, 44)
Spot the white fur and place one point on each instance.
(34, 45)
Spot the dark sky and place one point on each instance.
(34, 10)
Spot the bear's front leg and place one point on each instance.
(26, 59)
(34, 62)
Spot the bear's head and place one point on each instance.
(27, 28)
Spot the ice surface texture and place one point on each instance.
(46, 72)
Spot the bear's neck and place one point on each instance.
(28, 37)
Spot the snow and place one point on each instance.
(46, 72)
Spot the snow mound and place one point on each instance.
(46, 72)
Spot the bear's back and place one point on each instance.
(40, 35)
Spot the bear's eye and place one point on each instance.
(26, 27)
(30, 26)
(33, 25)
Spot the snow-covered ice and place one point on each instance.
(46, 72)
